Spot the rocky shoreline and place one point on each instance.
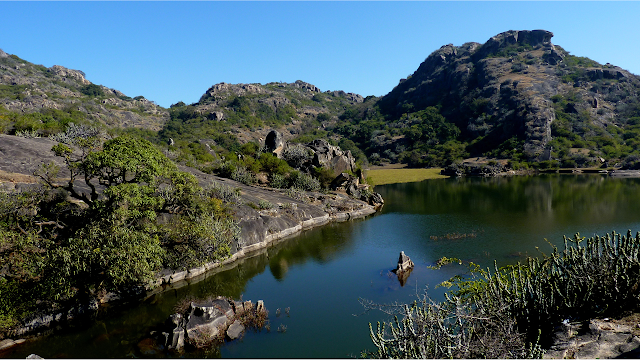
(288, 215)
(261, 229)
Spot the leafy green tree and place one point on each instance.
(122, 160)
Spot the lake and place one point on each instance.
(324, 274)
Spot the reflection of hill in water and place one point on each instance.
(559, 198)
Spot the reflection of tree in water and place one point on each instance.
(320, 244)
(560, 198)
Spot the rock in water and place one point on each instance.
(404, 263)
(234, 331)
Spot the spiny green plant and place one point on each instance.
(512, 311)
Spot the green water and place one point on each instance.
(323, 274)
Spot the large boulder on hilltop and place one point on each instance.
(306, 86)
(513, 37)
(331, 157)
(68, 73)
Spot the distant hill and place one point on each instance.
(37, 98)
(517, 97)
(229, 115)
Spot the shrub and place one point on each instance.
(265, 205)
(29, 134)
(273, 165)
(197, 240)
(92, 90)
(324, 175)
(278, 181)
(76, 133)
(223, 192)
(243, 175)
(304, 181)
(296, 155)
(503, 313)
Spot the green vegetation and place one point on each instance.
(511, 312)
(393, 176)
(60, 244)
(92, 90)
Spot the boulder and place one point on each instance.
(208, 318)
(175, 340)
(274, 143)
(68, 73)
(404, 263)
(214, 318)
(7, 343)
(332, 157)
(376, 200)
(234, 331)
(597, 338)
(344, 181)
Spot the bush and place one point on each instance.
(223, 192)
(76, 133)
(92, 90)
(296, 155)
(304, 181)
(278, 181)
(243, 175)
(273, 165)
(194, 241)
(324, 175)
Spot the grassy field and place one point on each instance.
(381, 175)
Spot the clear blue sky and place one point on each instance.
(174, 51)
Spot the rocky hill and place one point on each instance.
(520, 93)
(52, 95)
(248, 112)
(516, 97)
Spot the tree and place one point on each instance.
(122, 160)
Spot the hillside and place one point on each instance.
(44, 100)
(520, 96)
(517, 97)
(230, 115)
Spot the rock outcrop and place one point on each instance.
(205, 323)
(597, 339)
(404, 268)
(332, 157)
(274, 143)
(404, 262)
(68, 73)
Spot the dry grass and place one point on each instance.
(394, 175)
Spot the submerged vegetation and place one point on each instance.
(511, 312)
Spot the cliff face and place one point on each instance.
(27, 88)
(510, 86)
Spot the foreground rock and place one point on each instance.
(204, 324)
(597, 339)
